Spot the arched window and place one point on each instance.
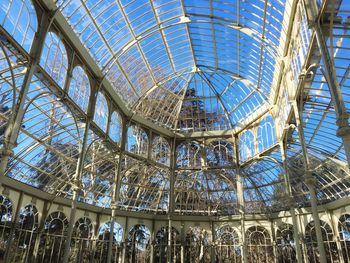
(138, 244)
(161, 245)
(285, 244)
(5, 219)
(228, 248)
(266, 133)
(54, 58)
(6, 210)
(104, 231)
(83, 228)
(189, 154)
(48, 148)
(220, 153)
(246, 146)
(54, 238)
(19, 19)
(203, 192)
(197, 246)
(101, 112)
(28, 217)
(26, 234)
(311, 242)
(161, 150)
(79, 89)
(344, 235)
(82, 243)
(137, 142)
(56, 223)
(259, 245)
(115, 127)
(9, 85)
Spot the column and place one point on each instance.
(152, 241)
(336, 235)
(77, 176)
(274, 243)
(111, 234)
(240, 203)
(125, 239)
(310, 182)
(296, 234)
(14, 124)
(171, 198)
(291, 202)
(40, 231)
(331, 78)
(116, 189)
(213, 245)
(183, 242)
(169, 254)
(13, 228)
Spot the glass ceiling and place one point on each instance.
(212, 62)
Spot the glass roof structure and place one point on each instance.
(224, 125)
(130, 104)
(212, 63)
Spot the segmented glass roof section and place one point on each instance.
(229, 48)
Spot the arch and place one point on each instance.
(213, 192)
(101, 112)
(263, 185)
(311, 242)
(48, 144)
(79, 88)
(6, 210)
(161, 150)
(54, 237)
(98, 178)
(286, 251)
(11, 80)
(197, 245)
(266, 133)
(137, 141)
(54, 58)
(228, 245)
(104, 230)
(246, 146)
(56, 223)
(189, 154)
(19, 19)
(259, 245)
(116, 127)
(161, 245)
(138, 243)
(144, 187)
(344, 236)
(101, 251)
(82, 243)
(25, 234)
(83, 228)
(29, 217)
(220, 153)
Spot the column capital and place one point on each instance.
(343, 132)
(290, 201)
(309, 179)
(6, 152)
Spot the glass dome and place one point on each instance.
(198, 130)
